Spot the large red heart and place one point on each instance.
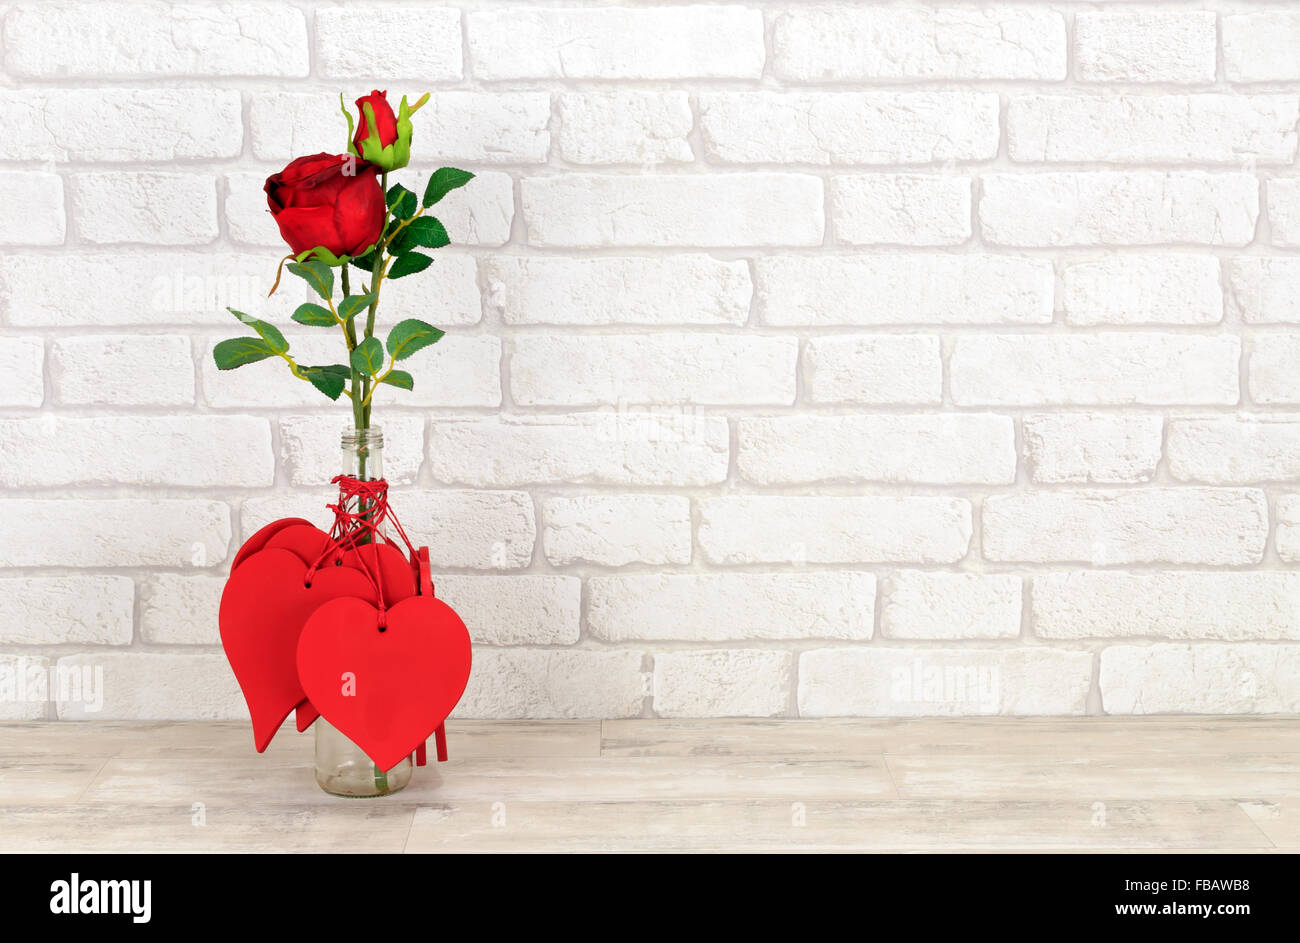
(263, 608)
(389, 690)
(259, 540)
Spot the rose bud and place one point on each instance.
(329, 205)
(382, 138)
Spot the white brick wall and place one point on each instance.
(803, 359)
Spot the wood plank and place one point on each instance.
(43, 780)
(465, 738)
(501, 779)
(1098, 776)
(344, 827)
(896, 825)
(1279, 819)
(966, 735)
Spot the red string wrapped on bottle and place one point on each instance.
(345, 625)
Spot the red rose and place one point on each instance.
(330, 200)
(385, 120)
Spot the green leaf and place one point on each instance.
(366, 262)
(411, 335)
(314, 314)
(401, 201)
(409, 264)
(353, 305)
(443, 181)
(425, 231)
(316, 274)
(399, 378)
(329, 380)
(238, 351)
(368, 357)
(268, 332)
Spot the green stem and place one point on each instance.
(376, 281)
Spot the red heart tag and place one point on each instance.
(381, 561)
(305, 715)
(258, 540)
(307, 541)
(389, 690)
(263, 608)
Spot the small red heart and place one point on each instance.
(389, 690)
(263, 608)
(309, 542)
(380, 560)
(258, 540)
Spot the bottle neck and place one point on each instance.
(362, 452)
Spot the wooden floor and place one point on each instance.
(1085, 784)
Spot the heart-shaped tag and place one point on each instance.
(381, 561)
(263, 608)
(258, 540)
(388, 690)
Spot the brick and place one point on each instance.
(22, 371)
(1119, 208)
(1100, 447)
(1227, 129)
(479, 214)
(1200, 679)
(310, 447)
(926, 605)
(714, 607)
(1096, 369)
(849, 127)
(34, 211)
(1145, 46)
(1234, 450)
(135, 40)
(1287, 536)
(131, 286)
(758, 209)
(736, 683)
(1274, 371)
(187, 451)
(1143, 289)
(502, 127)
(527, 684)
(24, 687)
(634, 127)
(91, 370)
(515, 610)
(902, 209)
(480, 530)
(1230, 606)
(113, 532)
(663, 369)
(615, 530)
(1284, 211)
(155, 686)
(633, 447)
(180, 610)
(120, 124)
(859, 44)
(167, 209)
(1214, 527)
(418, 43)
(460, 370)
(1260, 47)
(56, 610)
(616, 43)
(860, 529)
(910, 682)
(1263, 290)
(678, 289)
(903, 289)
(933, 448)
(873, 369)
(476, 530)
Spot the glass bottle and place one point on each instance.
(342, 767)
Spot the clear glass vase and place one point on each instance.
(342, 767)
